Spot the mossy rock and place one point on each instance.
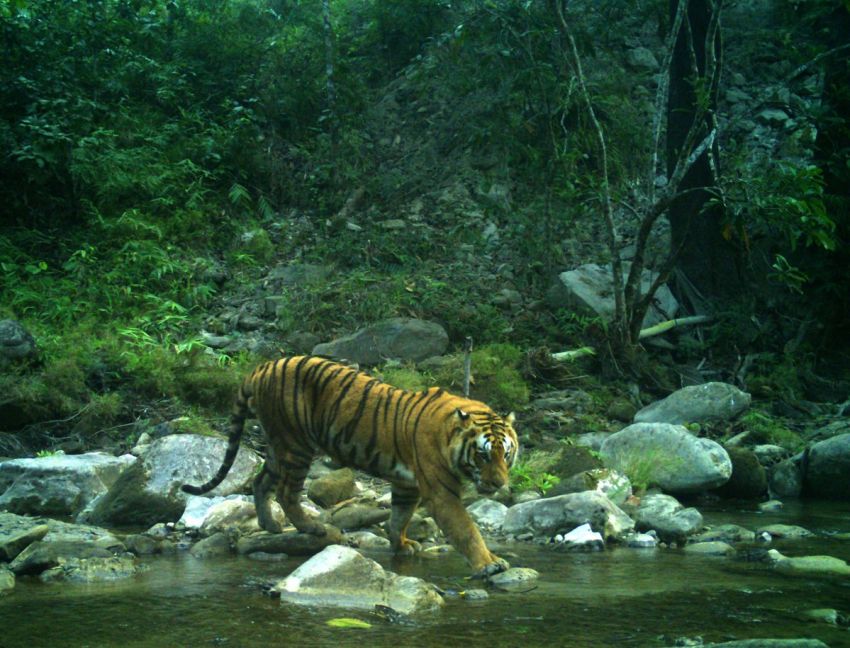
(748, 480)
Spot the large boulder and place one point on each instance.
(828, 468)
(341, 577)
(551, 515)
(748, 480)
(149, 491)
(58, 485)
(670, 520)
(402, 338)
(667, 456)
(785, 479)
(714, 401)
(588, 290)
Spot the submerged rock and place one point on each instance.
(711, 548)
(342, 577)
(809, 566)
(516, 579)
(92, 570)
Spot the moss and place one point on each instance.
(193, 424)
(208, 385)
(748, 480)
(764, 428)
(406, 377)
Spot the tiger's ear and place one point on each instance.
(510, 418)
(463, 419)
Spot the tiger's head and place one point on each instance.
(488, 448)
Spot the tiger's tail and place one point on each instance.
(241, 411)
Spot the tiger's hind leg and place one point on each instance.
(293, 469)
(264, 488)
(405, 499)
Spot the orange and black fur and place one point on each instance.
(424, 443)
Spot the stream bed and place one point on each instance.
(619, 597)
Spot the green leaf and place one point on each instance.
(348, 622)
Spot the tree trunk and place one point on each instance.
(709, 261)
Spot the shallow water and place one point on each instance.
(620, 597)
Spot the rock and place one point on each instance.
(768, 643)
(291, 543)
(14, 543)
(7, 579)
(642, 541)
(785, 531)
(297, 274)
(809, 566)
(774, 117)
(713, 548)
(714, 401)
(218, 544)
(614, 485)
(149, 491)
(771, 506)
(587, 290)
(41, 556)
(359, 516)
(785, 479)
(728, 533)
(231, 515)
(550, 515)
(92, 570)
(15, 342)
(828, 468)
(423, 528)
(667, 456)
(199, 508)
(341, 577)
(475, 594)
(332, 488)
(821, 615)
(488, 514)
(621, 409)
(748, 479)
(667, 517)
(516, 579)
(581, 538)
(406, 339)
(140, 544)
(367, 540)
(769, 454)
(58, 485)
(641, 59)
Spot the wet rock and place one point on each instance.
(771, 506)
(332, 488)
(516, 579)
(292, 543)
(587, 290)
(581, 538)
(217, 544)
(41, 555)
(399, 337)
(809, 566)
(92, 570)
(712, 548)
(59, 485)
(714, 401)
(237, 515)
(550, 515)
(728, 533)
(16, 541)
(367, 540)
(828, 468)
(475, 594)
(140, 544)
(342, 577)
(668, 456)
(642, 541)
(667, 517)
(785, 479)
(488, 514)
(748, 479)
(359, 516)
(7, 579)
(821, 615)
(785, 531)
(149, 491)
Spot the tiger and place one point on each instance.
(425, 443)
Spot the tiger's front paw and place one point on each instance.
(498, 565)
(407, 547)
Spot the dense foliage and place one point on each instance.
(152, 148)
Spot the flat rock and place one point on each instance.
(341, 577)
(292, 543)
(403, 338)
(667, 517)
(713, 401)
(809, 566)
(711, 548)
(516, 579)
